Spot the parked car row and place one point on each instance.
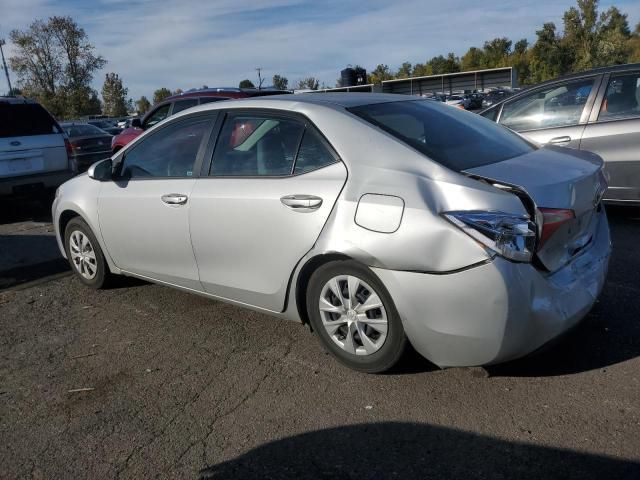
(468, 101)
(596, 110)
(177, 103)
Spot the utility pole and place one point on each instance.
(260, 80)
(4, 65)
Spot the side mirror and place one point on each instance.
(136, 123)
(101, 171)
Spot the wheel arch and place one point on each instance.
(302, 282)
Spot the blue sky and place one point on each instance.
(190, 43)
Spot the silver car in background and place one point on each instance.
(377, 219)
(597, 110)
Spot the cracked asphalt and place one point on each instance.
(142, 381)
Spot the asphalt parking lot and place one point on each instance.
(142, 381)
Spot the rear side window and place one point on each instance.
(184, 104)
(313, 153)
(456, 139)
(255, 145)
(22, 120)
(211, 99)
(622, 99)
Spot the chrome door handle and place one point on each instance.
(302, 203)
(560, 140)
(175, 199)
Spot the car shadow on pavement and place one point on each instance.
(411, 450)
(610, 333)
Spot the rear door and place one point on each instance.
(261, 205)
(30, 141)
(554, 114)
(614, 134)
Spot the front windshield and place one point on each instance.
(454, 138)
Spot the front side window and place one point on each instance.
(184, 104)
(160, 114)
(255, 145)
(554, 106)
(622, 99)
(456, 139)
(170, 152)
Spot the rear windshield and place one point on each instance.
(456, 139)
(25, 119)
(82, 130)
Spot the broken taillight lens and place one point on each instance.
(552, 220)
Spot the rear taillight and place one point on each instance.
(67, 146)
(511, 236)
(73, 165)
(552, 220)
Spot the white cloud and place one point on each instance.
(190, 43)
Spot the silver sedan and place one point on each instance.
(378, 220)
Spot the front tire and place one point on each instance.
(354, 317)
(85, 255)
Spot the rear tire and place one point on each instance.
(354, 317)
(85, 255)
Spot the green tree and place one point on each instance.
(160, 94)
(496, 53)
(114, 96)
(281, 83)
(380, 73)
(472, 60)
(55, 64)
(143, 105)
(405, 70)
(246, 83)
(308, 83)
(548, 56)
(440, 65)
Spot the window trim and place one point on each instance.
(586, 109)
(197, 165)
(261, 111)
(602, 93)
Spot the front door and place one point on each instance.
(271, 187)
(553, 114)
(144, 212)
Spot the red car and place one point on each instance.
(177, 103)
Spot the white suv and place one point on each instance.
(34, 151)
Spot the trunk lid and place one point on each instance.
(89, 144)
(555, 178)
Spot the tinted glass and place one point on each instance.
(184, 104)
(171, 152)
(491, 114)
(21, 120)
(313, 153)
(555, 106)
(82, 130)
(211, 99)
(157, 116)
(256, 146)
(456, 139)
(622, 99)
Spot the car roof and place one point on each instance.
(17, 100)
(341, 99)
(227, 91)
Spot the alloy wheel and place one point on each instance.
(83, 255)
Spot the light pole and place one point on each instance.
(4, 65)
